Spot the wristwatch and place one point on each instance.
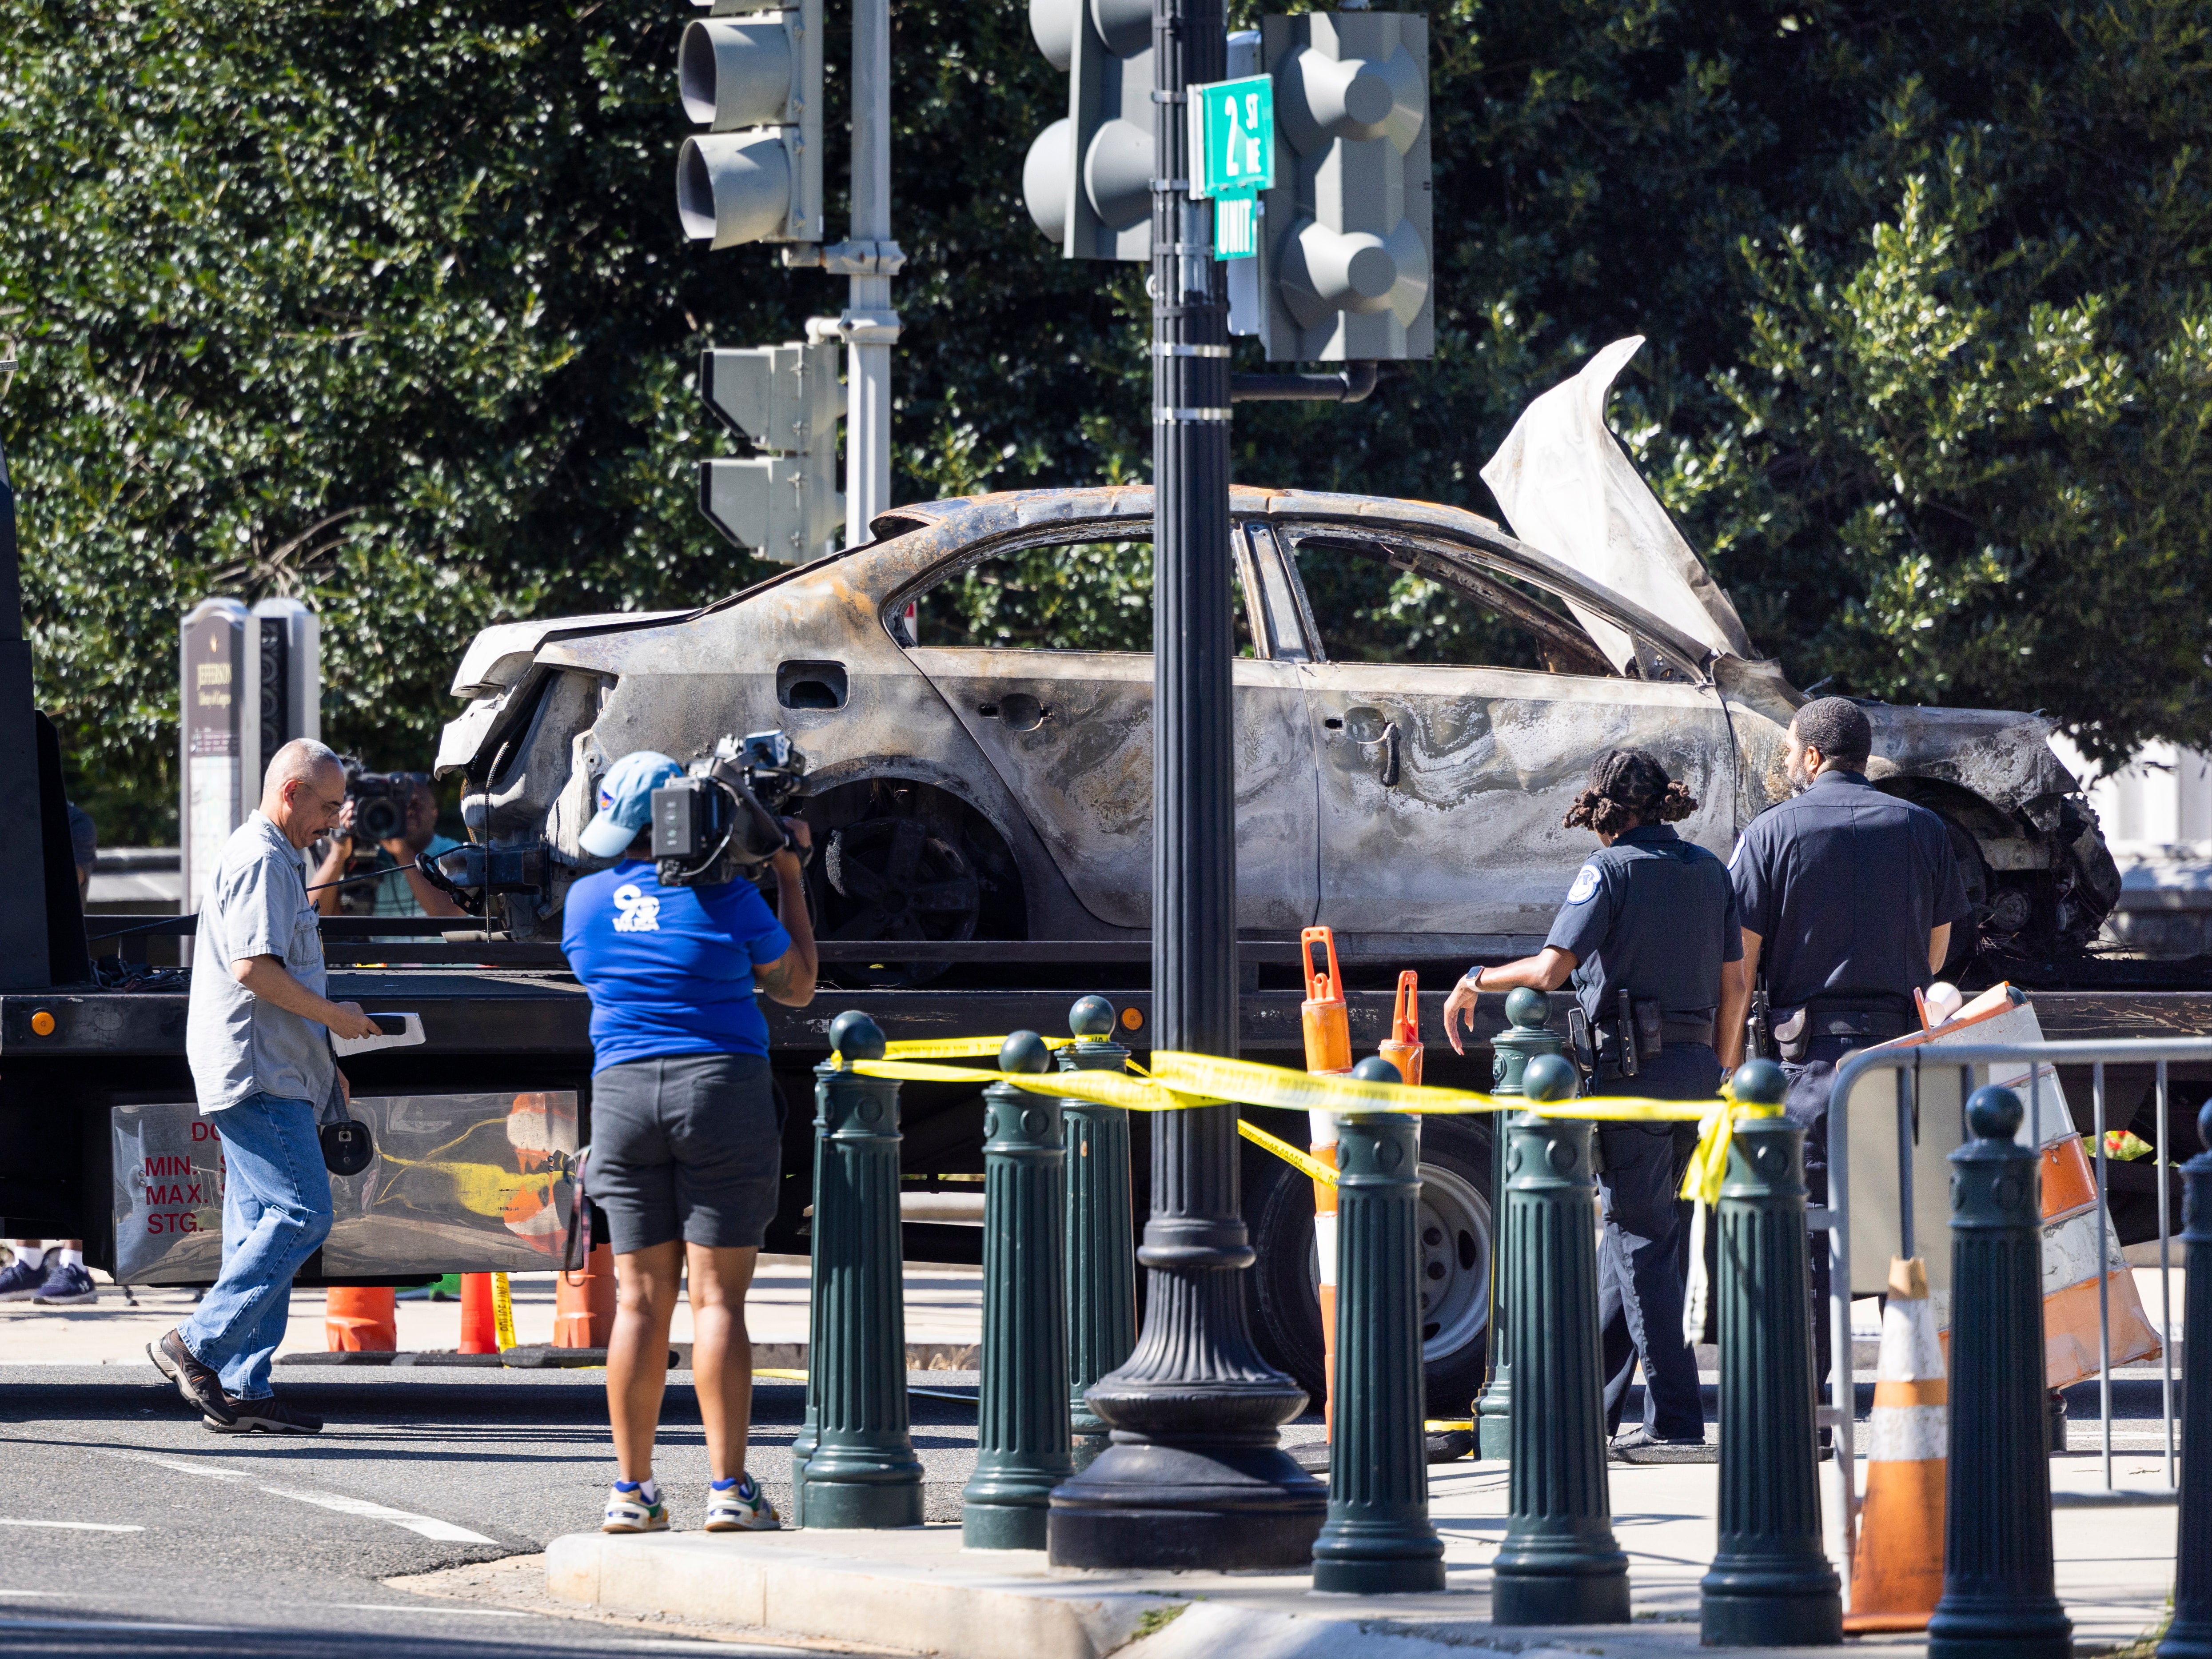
(1473, 978)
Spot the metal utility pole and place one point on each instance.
(870, 259)
(1195, 1477)
(23, 960)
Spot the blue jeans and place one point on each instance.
(275, 1214)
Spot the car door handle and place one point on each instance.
(1386, 773)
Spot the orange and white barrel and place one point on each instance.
(2079, 1248)
(1897, 1571)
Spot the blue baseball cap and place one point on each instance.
(626, 802)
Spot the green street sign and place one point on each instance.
(1232, 149)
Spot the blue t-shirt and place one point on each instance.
(670, 968)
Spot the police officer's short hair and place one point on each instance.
(1838, 728)
(1628, 787)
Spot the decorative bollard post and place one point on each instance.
(1559, 1563)
(2189, 1634)
(1998, 1600)
(1021, 1437)
(1770, 1584)
(861, 1470)
(1378, 1539)
(1102, 1246)
(1528, 1037)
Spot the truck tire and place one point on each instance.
(1454, 1244)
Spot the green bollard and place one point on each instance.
(1770, 1584)
(1378, 1539)
(861, 1470)
(2189, 1634)
(1022, 1430)
(1102, 1246)
(1528, 1037)
(1997, 1600)
(1559, 1563)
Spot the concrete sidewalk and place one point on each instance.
(944, 1320)
(918, 1589)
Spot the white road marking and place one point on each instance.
(467, 1613)
(428, 1526)
(117, 1624)
(72, 1526)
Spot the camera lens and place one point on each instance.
(377, 818)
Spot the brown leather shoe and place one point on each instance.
(201, 1388)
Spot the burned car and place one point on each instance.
(1418, 696)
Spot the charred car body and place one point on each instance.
(1418, 696)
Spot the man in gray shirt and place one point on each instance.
(258, 1037)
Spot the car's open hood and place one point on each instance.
(1567, 488)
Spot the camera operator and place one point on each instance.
(404, 890)
(686, 1149)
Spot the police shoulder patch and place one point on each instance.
(1585, 887)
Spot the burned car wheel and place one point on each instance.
(1453, 1251)
(897, 878)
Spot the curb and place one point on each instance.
(967, 1610)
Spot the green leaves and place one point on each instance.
(385, 305)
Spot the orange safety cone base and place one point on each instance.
(1896, 1576)
(479, 1323)
(584, 1302)
(361, 1319)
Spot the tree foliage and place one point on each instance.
(385, 305)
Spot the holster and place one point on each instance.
(1876, 1020)
(1652, 1029)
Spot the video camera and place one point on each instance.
(379, 798)
(725, 819)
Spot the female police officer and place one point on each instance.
(1646, 932)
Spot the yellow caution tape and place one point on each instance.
(984, 1047)
(502, 1311)
(1289, 1154)
(1182, 1081)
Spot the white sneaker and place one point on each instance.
(632, 1511)
(741, 1506)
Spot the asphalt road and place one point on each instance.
(125, 1527)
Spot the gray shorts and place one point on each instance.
(685, 1146)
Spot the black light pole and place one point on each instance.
(1195, 1476)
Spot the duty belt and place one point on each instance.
(1796, 1030)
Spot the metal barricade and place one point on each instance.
(1910, 1065)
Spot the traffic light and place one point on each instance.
(1347, 227)
(784, 397)
(1088, 179)
(751, 75)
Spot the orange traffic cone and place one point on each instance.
(361, 1319)
(479, 1318)
(1327, 1024)
(584, 1302)
(1898, 1573)
(1403, 1050)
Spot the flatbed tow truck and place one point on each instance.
(479, 1122)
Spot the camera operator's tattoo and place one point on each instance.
(780, 978)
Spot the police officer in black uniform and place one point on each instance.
(1647, 932)
(1848, 895)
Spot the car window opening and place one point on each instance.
(1390, 603)
(1048, 596)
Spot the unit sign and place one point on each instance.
(1232, 147)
